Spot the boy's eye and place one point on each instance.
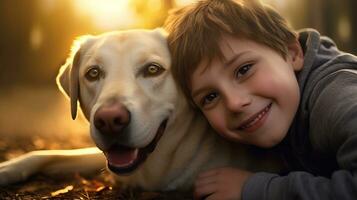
(243, 70)
(209, 98)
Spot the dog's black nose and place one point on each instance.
(111, 119)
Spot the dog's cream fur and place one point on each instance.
(187, 146)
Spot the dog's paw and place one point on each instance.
(18, 169)
(10, 175)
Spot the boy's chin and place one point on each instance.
(267, 144)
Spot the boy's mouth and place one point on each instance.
(255, 121)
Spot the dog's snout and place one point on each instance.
(111, 119)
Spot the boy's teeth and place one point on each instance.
(253, 121)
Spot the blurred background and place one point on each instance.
(36, 35)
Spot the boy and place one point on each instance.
(258, 82)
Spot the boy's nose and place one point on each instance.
(236, 103)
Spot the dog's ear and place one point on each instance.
(67, 80)
(68, 76)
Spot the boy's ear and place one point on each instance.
(296, 55)
(68, 76)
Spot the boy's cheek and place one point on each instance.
(215, 120)
(218, 124)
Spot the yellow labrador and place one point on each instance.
(145, 131)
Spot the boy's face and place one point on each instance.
(251, 95)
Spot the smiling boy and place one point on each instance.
(258, 82)
(251, 96)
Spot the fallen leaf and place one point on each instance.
(62, 191)
(91, 185)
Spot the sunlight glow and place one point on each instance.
(183, 2)
(47, 6)
(107, 14)
(344, 29)
(278, 4)
(36, 37)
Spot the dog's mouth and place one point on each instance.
(123, 159)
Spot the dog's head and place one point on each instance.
(123, 84)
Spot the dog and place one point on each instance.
(146, 133)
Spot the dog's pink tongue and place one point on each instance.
(122, 157)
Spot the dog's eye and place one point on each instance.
(93, 73)
(153, 69)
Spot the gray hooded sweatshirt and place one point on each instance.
(320, 149)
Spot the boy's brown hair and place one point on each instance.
(196, 29)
